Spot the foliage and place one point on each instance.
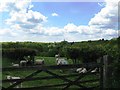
(73, 53)
(86, 54)
(18, 53)
(91, 54)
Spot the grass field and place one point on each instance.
(48, 61)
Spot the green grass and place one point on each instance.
(51, 60)
(48, 60)
(8, 62)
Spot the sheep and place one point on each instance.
(61, 61)
(81, 70)
(23, 63)
(39, 62)
(95, 70)
(57, 56)
(10, 78)
(15, 65)
(57, 59)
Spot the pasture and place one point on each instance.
(48, 61)
(85, 51)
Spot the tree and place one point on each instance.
(91, 54)
(73, 53)
(19, 53)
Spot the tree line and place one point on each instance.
(85, 51)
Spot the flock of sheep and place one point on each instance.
(26, 62)
(59, 61)
(23, 63)
(63, 61)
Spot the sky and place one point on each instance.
(57, 21)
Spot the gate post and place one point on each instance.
(101, 73)
(107, 71)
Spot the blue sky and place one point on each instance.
(56, 21)
(74, 12)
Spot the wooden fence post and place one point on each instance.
(107, 72)
(101, 73)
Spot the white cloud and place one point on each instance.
(54, 31)
(110, 32)
(14, 5)
(54, 14)
(22, 17)
(107, 18)
(3, 31)
(30, 6)
(7, 32)
(102, 4)
(71, 28)
(26, 20)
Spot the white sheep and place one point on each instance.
(57, 59)
(39, 62)
(81, 70)
(15, 65)
(95, 70)
(57, 56)
(61, 61)
(23, 63)
(10, 78)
